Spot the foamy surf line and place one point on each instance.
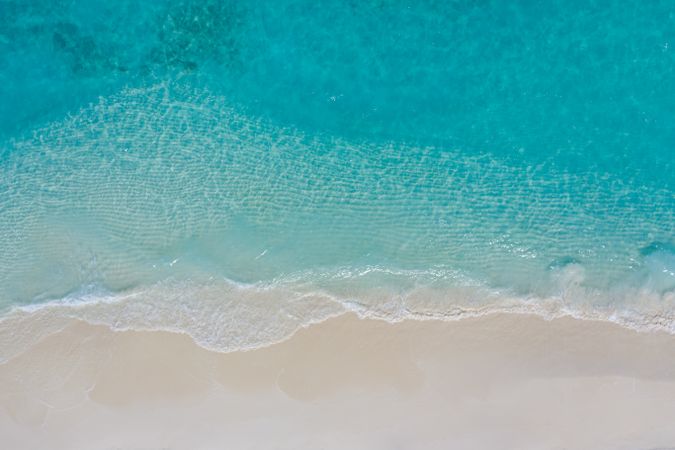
(230, 317)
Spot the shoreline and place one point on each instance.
(231, 317)
(501, 380)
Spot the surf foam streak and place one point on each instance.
(225, 316)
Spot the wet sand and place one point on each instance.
(501, 381)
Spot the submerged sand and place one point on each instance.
(501, 381)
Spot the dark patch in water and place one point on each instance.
(85, 55)
(559, 263)
(657, 246)
(659, 258)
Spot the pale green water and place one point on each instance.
(253, 162)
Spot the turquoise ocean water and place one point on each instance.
(236, 169)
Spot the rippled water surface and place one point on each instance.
(274, 162)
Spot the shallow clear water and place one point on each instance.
(277, 160)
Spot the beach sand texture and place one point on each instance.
(501, 381)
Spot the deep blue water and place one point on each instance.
(374, 148)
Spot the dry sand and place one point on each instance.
(497, 382)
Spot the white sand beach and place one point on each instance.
(501, 381)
